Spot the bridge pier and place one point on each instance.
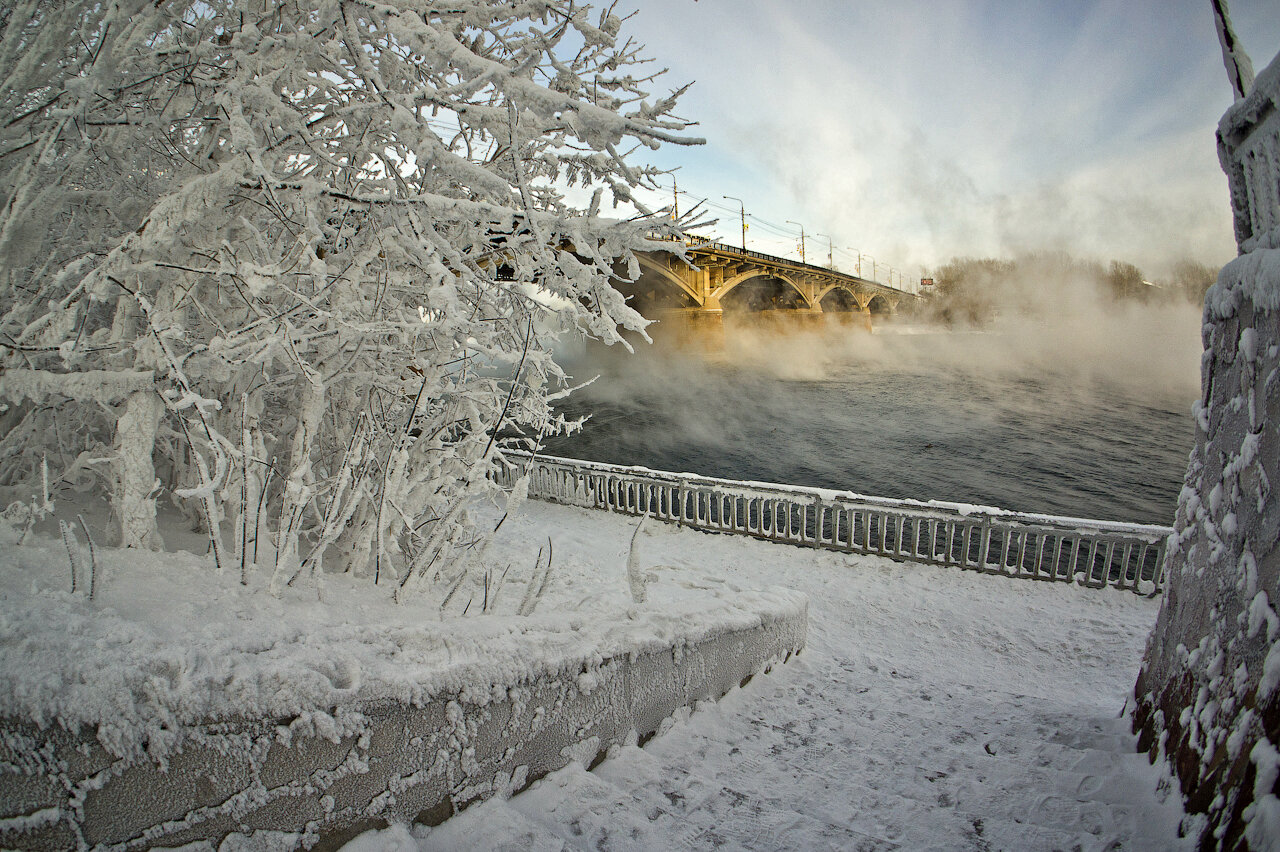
(702, 327)
(863, 301)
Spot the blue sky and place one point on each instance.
(917, 131)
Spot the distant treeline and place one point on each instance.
(973, 291)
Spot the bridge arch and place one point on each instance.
(665, 272)
(738, 280)
(880, 304)
(838, 297)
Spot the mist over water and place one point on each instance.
(1083, 413)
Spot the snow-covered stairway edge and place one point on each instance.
(1207, 692)
(319, 779)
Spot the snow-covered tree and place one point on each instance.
(301, 263)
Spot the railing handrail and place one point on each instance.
(1132, 554)
(832, 495)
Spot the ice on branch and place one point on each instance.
(300, 268)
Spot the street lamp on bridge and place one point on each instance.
(793, 222)
(830, 260)
(742, 209)
(857, 263)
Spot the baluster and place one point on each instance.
(1039, 552)
(1157, 575)
(1004, 549)
(1093, 552)
(984, 546)
(964, 546)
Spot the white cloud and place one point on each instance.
(925, 130)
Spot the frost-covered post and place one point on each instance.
(133, 434)
(348, 219)
(1209, 690)
(133, 476)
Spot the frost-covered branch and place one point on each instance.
(337, 232)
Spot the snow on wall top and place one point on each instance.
(152, 653)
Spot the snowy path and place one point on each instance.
(933, 709)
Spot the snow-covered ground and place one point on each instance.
(933, 709)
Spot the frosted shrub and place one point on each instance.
(302, 264)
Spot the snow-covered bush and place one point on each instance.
(307, 259)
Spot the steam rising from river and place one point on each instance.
(1062, 331)
(1068, 404)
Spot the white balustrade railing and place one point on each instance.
(981, 538)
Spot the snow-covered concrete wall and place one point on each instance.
(1207, 694)
(320, 778)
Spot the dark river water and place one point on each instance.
(974, 418)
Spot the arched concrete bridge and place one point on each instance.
(720, 278)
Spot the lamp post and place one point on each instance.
(873, 266)
(857, 264)
(743, 210)
(793, 222)
(830, 258)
